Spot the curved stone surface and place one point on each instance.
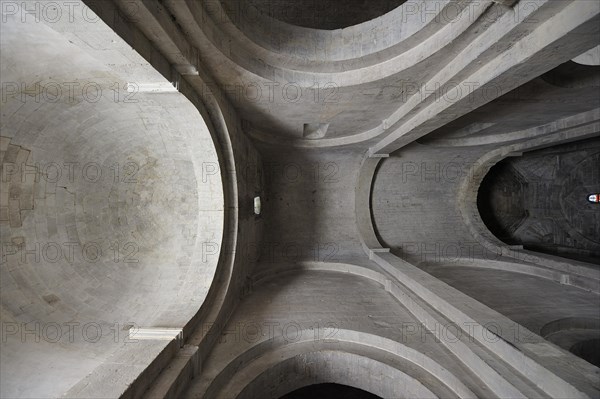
(281, 326)
(539, 200)
(319, 127)
(328, 15)
(108, 205)
(265, 82)
(337, 367)
(590, 57)
(578, 335)
(330, 390)
(552, 301)
(353, 47)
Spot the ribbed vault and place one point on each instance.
(288, 229)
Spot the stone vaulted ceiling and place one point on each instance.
(144, 134)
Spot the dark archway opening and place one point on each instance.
(588, 350)
(325, 14)
(540, 200)
(329, 391)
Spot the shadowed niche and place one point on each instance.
(578, 335)
(330, 391)
(588, 350)
(325, 14)
(540, 200)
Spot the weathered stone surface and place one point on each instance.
(136, 135)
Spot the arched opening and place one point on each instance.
(588, 350)
(541, 200)
(578, 335)
(323, 14)
(288, 371)
(330, 391)
(111, 214)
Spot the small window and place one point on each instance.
(257, 206)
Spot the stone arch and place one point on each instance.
(264, 361)
(578, 335)
(539, 200)
(114, 212)
(577, 274)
